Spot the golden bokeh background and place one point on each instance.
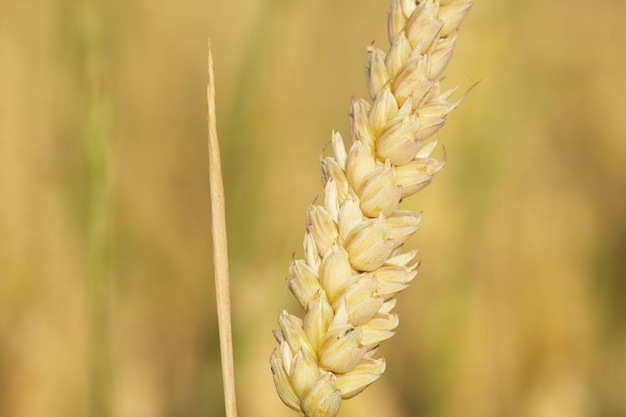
(106, 295)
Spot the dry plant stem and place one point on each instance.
(220, 252)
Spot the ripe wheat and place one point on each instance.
(353, 264)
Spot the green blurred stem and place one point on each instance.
(247, 120)
(99, 224)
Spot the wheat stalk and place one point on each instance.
(220, 249)
(353, 264)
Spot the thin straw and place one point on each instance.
(220, 252)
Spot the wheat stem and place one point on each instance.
(220, 251)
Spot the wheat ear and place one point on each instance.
(353, 264)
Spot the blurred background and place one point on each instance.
(106, 294)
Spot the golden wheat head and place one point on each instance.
(354, 265)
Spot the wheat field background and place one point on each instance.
(106, 296)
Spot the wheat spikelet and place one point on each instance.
(353, 264)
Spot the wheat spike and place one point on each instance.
(353, 264)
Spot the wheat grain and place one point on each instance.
(353, 264)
